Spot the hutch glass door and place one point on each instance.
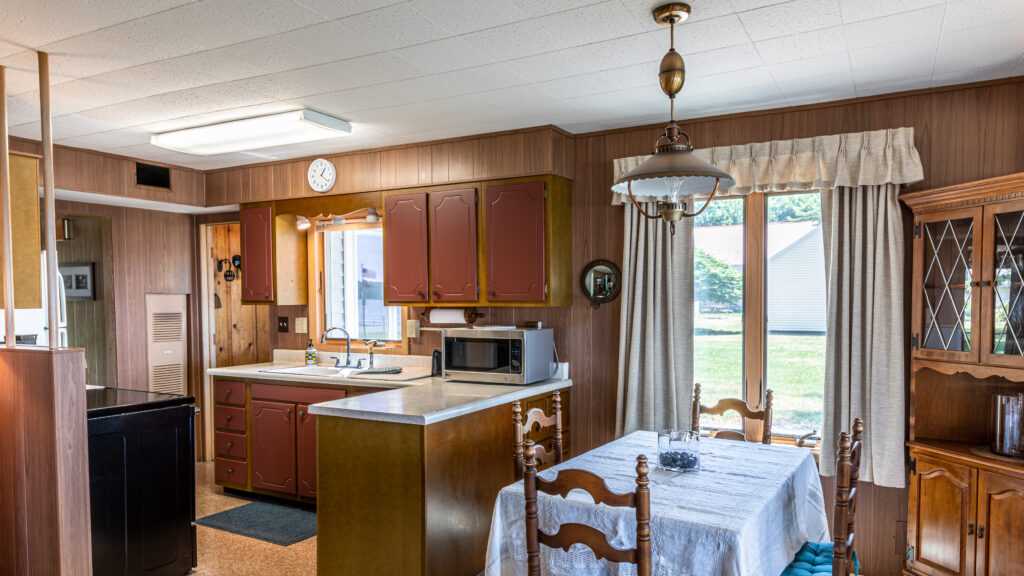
(1003, 284)
(947, 294)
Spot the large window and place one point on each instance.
(759, 310)
(718, 235)
(354, 286)
(795, 311)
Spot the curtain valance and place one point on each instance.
(871, 158)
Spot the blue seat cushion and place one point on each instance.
(815, 558)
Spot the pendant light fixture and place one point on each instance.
(673, 175)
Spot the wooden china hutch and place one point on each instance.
(966, 503)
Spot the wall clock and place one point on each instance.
(321, 175)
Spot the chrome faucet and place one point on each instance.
(348, 348)
(371, 344)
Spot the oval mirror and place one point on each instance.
(600, 282)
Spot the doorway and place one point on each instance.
(85, 259)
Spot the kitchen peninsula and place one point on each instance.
(406, 472)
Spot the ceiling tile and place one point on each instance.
(803, 45)
(246, 59)
(392, 29)
(790, 18)
(906, 63)
(464, 16)
(51, 20)
(443, 55)
(721, 60)
(605, 55)
(525, 97)
(857, 10)
(963, 14)
(216, 116)
(603, 81)
(267, 17)
(642, 11)
(808, 69)
(872, 87)
(736, 81)
(336, 76)
(706, 35)
(746, 5)
(973, 74)
(993, 46)
(534, 8)
(816, 87)
(356, 99)
(340, 9)
(924, 23)
(108, 140)
(329, 42)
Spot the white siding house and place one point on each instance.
(795, 277)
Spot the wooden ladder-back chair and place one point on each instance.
(569, 534)
(838, 556)
(735, 404)
(537, 417)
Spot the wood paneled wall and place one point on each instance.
(527, 152)
(153, 254)
(100, 173)
(91, 323)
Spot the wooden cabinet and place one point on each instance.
(273, 257)
(405, 248)
(516, 230)
(453, 246)
(257, 254)
(966, 515)
(306, 453)
(1000, 545)
(273, 446)
(500, 243)
(940, 522)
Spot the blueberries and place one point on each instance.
(678, 460)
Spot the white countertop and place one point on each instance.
(432, 400)
(422, 401)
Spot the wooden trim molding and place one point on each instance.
(968, 194)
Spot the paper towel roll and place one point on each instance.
(447, 316)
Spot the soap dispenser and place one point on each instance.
(310, 354)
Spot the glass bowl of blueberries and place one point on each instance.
(679, 450)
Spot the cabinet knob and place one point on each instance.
(231, 470)
(227, 392)
(436, 295)
(228, 418)
(490, 293)
(419, 293)
(266, 294)
(301, 413)
(229, 445)
(288, 411)
(981, 531)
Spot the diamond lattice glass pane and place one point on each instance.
(948, 262)
(1008, 284)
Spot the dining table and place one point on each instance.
(746, 512)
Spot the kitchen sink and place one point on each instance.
(328, 371)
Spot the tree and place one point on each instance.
(715, 281)
(795, 208)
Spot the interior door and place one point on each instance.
(453, 252)
(405, 248)
(257, 254)
(1002, 284)
(947, 285)
(1000, 528)
(515, 225)
(306, 457)
(940, 522)
(273, 446)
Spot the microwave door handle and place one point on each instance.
(444, 348)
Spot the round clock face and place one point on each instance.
(321, 175)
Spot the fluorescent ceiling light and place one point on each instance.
(254, 133)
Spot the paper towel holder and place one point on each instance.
(470, 315)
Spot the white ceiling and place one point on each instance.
(417, 70)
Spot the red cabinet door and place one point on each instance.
(257, 254)
(273, 446)
(453, 246)
(515, 243)
(307, 452)
(405, 248)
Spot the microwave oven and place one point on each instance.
(498, 356)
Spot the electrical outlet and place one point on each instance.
(301, 325)
(282, 324)
(412, 328)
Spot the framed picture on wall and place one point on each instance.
(79, 281)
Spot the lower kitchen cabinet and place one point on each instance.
(142, 492)
(965, 517)
(273, 446)
(269, 444)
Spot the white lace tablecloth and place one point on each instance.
(745, 513)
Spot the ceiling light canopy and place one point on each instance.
(254, 133)
(673, 175)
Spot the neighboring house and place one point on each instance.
(795, 279)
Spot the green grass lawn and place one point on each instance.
(795, 366)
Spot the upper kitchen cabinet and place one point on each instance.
(499, 243)
(405, 248)
(273, 257)
(453, 253)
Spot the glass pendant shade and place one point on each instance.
(673, 174)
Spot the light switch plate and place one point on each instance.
(412, 328)
(301, 325)
(282, 324)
